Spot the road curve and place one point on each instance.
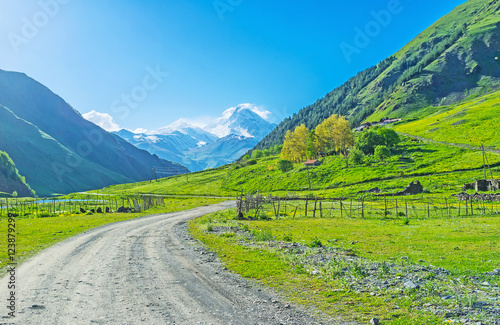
(141, 271)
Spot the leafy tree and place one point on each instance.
(257, 154)
(382, 153)
(266, 152)
(334, 134)
(311, 147)
(390, 137)
(277, 149)
(356, 157)
(284, 165)
(295, 146)
(246, 157)
(368, 140)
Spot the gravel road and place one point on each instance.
(142, 271)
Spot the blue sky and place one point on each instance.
(148, 63)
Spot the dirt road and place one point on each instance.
(142, 271)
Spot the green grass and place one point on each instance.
(473, 122)
(441, 169)
(36, 234)
(434, 240)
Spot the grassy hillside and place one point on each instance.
(440, 168)
(56, 149)
(11, 182)
(454, 58)
(472, 122)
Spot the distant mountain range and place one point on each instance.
(57, 150)
(458, 57)
(223, 141)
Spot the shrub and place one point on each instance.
(251, 162)
(257, 154)
(284, 165)
(382, 153)
(356, 157)
(288, 238)
(316, 242)
(262, 235)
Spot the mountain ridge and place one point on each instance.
(454, 58)
(55, 148)
(223, 141)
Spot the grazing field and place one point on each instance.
(441, 169)
(473, 122)
(424, 271)
(34, 234)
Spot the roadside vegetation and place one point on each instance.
(422, 272)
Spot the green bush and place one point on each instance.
(356, 157)
(316, 242)
(284, 165)
(257, 154)
(262, 235)
(251, 162)
(382, 153)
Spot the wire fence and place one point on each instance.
(260, 207)
(84, 203)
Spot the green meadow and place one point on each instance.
(467, 247)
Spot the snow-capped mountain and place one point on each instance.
(240, 120)
(223, 141)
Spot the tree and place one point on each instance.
(266, 152)
(246, 157)
(284, 165)
(356, 157)
(295, 145)
(390, 137)
(257, 154)
(382, 153)
(334, 134)
(311, 147)
(277, 149)
(368, 140)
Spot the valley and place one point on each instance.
(323, 218)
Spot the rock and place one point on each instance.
(485, 283)
(374, 321)
(315, 272)
(404, 257)
(82, 210)
(99, 210)
(108, 210)
(121, 210)
(411, 285)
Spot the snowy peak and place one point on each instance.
(185, 127)
(245, 120)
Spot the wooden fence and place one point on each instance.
(373, 207)
(81, 204)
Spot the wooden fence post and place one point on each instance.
(362, 207)
(306, 207)
(341, 209)
(314, 211)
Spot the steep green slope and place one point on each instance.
(57, 149)
(44, 159)
(10, 180)
(456, 57)
(475, 122)
(440, 168)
